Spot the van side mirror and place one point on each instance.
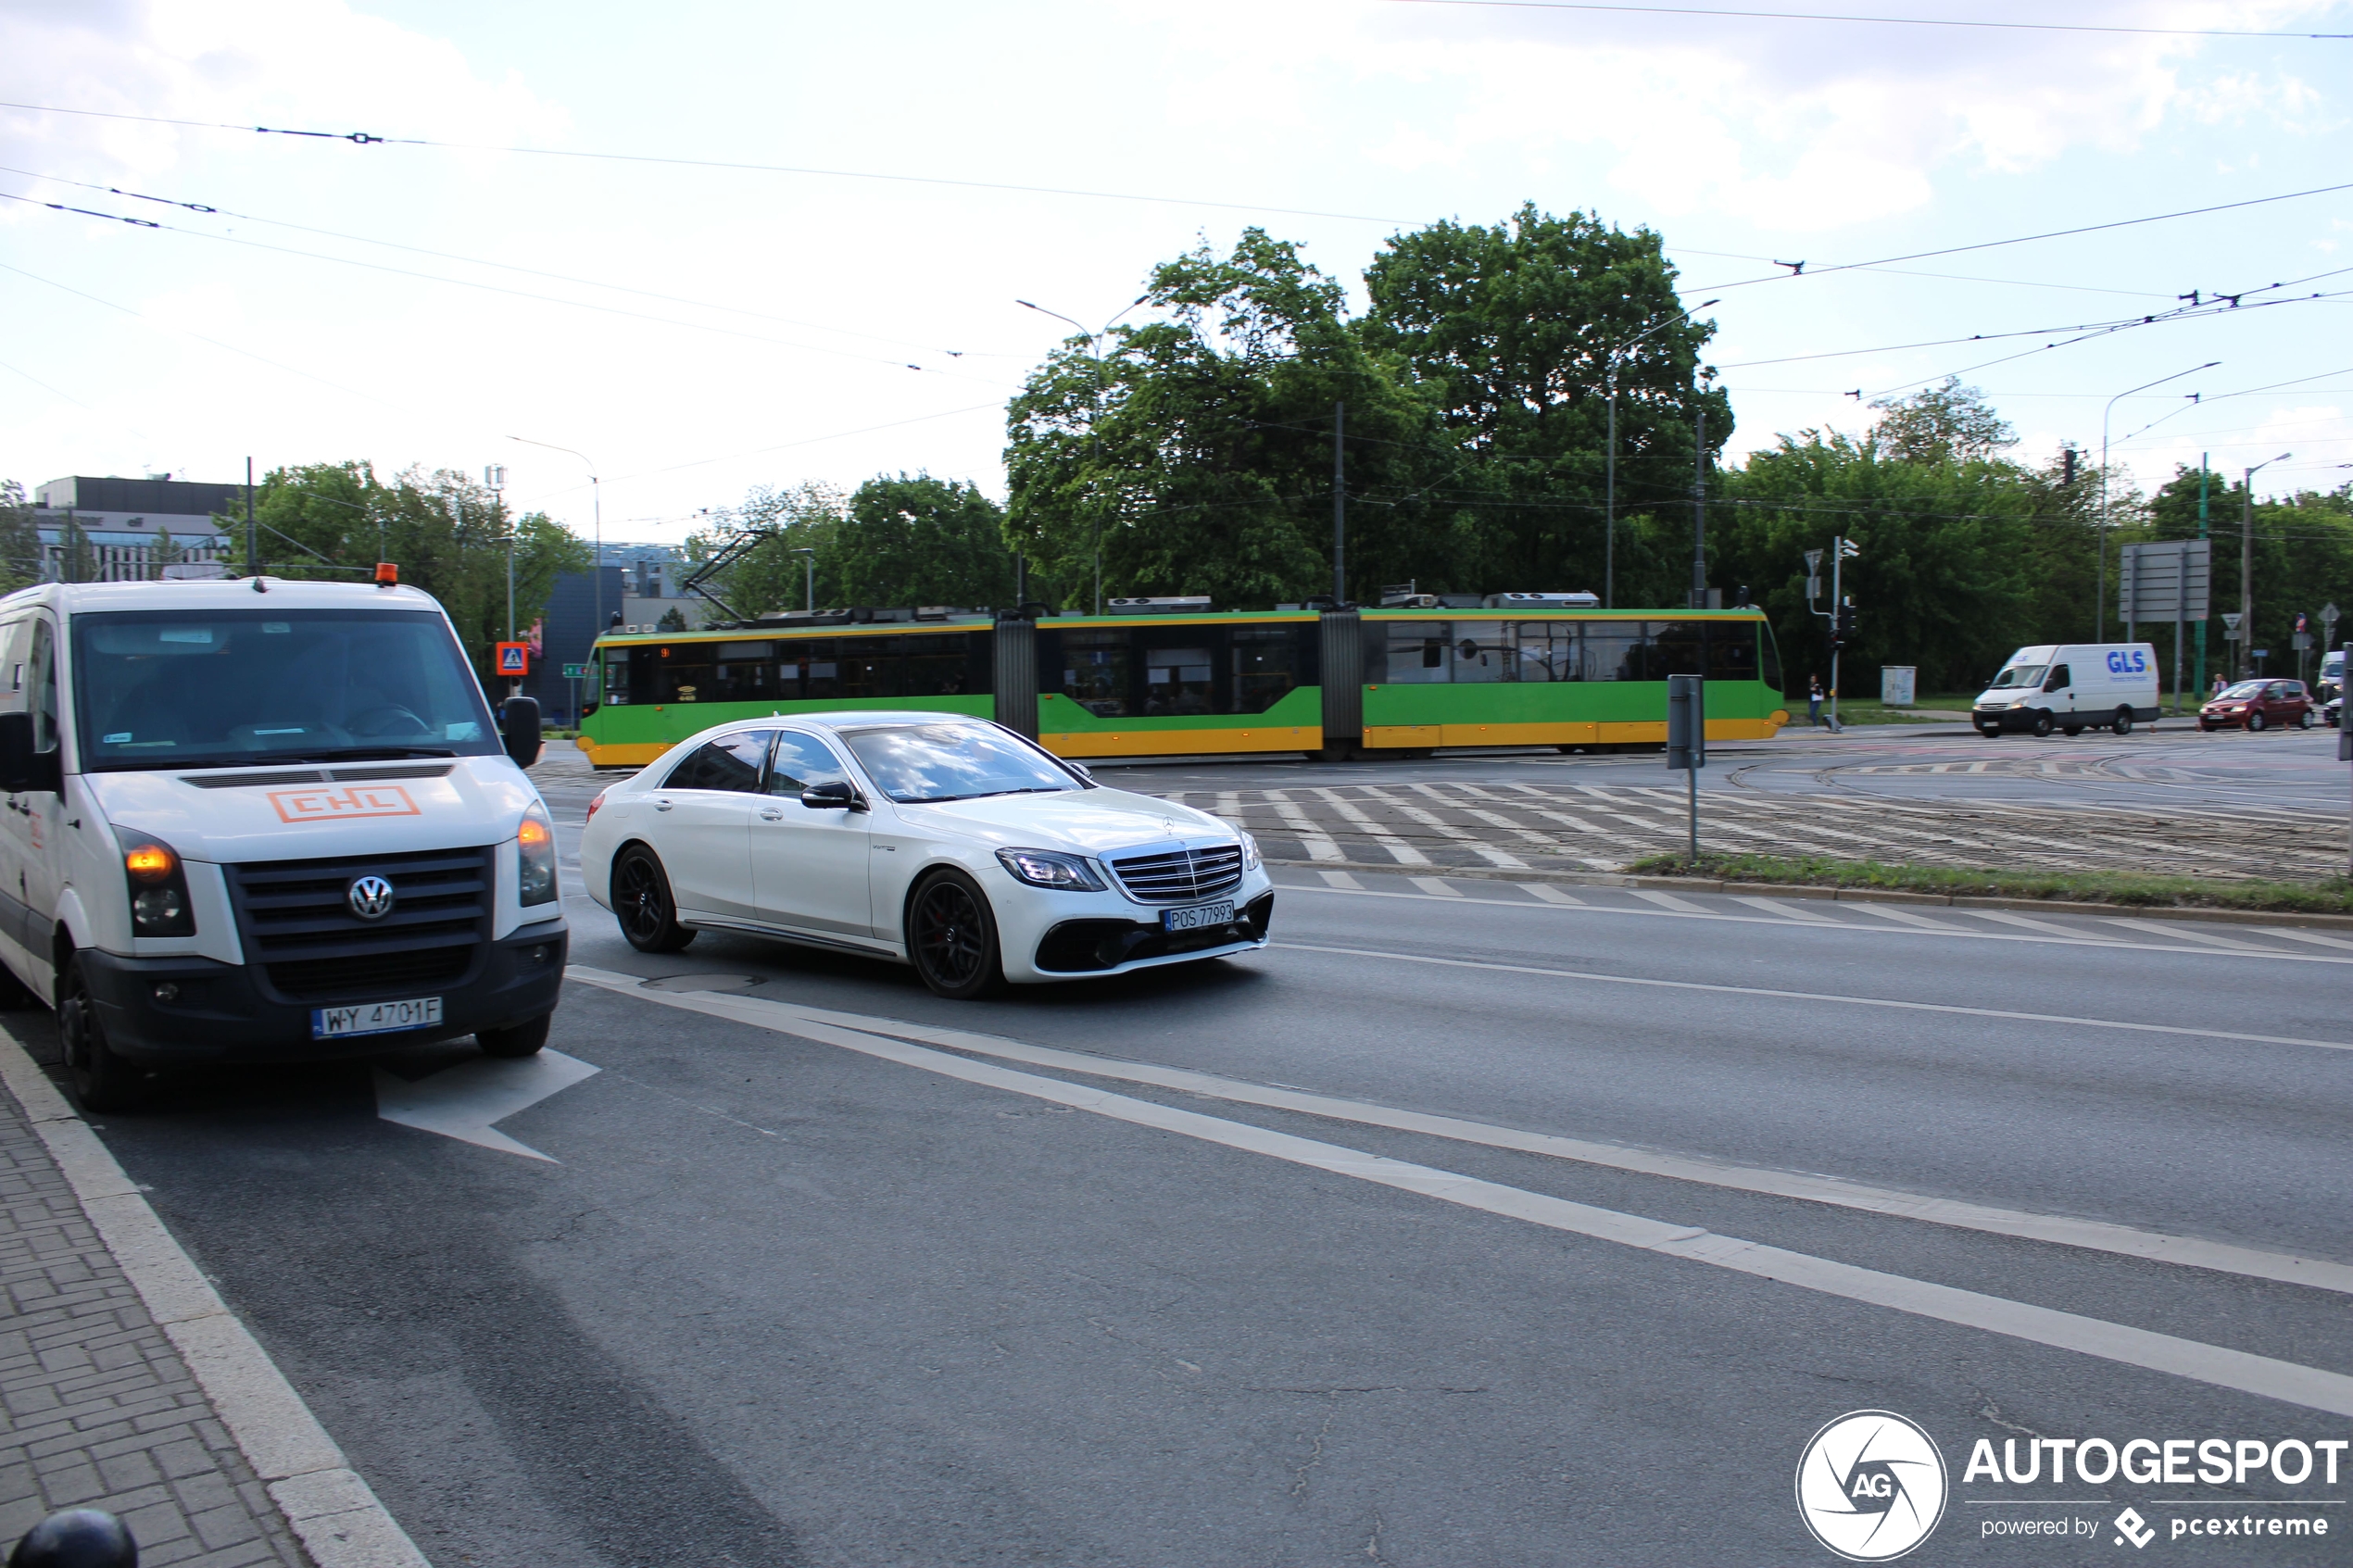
(22, 770)
(520, 724)
(837, 796)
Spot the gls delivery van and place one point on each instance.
(2070, 687)
(261, 820)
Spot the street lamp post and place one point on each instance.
(1609, 509)
(2099, 530)
(811, 564)
(2246, 562)
(1094, 440)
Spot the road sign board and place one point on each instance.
(575, 672)
(2166, 579)
(515, 658)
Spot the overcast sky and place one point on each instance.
(791, 326)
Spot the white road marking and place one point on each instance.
(1547, 892)
(2072, 932)
(1923, 926)
(2266, 1376)
(1341, 879)
(1820, 996)
(2308, 937)
(462, 1101)
(1320, 845)
(1402, 852)
(1888, 912)
(1789, 909)
(1435, 884)
(1669, 901)
(2193, 936)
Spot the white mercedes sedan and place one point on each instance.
(949, 843)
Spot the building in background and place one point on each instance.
(107, 530)
(649, 578)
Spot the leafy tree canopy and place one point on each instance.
(1946, 421)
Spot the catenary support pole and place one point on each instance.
(1699, 518)
(2204, 473)
(1340, 506)
(2247, 575)
(1838, 564)
(1609, 504)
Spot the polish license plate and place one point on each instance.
(1199, 915)
(374, 1018)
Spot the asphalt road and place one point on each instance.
(817, 1269)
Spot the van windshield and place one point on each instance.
(221, 687)
(2017, 676)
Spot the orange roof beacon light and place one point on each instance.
(387, 574)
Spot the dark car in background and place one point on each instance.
(2259, 705)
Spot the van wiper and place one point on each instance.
(358, 753)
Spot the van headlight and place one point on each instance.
(535, 859)
(158, 886)
(1051, 867)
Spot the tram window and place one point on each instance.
(1267, 662)
(682, 673)
(1482, 652)
(809, 670)
(1548, 651)
(743, 672)
(1418, 654)
(1615, 650)
(1177, 681)
(1731, 651)
(1676, 649)
(617, 662)
(932, 666)
(1769, 652)
(1095, 666)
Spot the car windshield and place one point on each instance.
(2240, 692)
(2018, 676)
(915, 764)
(221, 687)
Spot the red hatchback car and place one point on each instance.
(2259, 705)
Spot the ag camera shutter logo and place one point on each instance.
(1871, 1485)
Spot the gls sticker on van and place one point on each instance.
(2127, 662)
(353, 800)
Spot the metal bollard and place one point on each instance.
(77, 1538)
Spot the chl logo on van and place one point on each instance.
(354, 800)
(2127, 662)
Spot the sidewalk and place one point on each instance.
(126, 1384)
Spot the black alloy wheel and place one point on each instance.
(2123, 721)
(101, 1081)
(953, 938)
(641, 902)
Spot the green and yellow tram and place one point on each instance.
(1191, 681)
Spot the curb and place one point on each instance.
(1842, 895)
(332, 1510)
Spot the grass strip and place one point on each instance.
(2129, 889)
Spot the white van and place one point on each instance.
(261, 820)
(2070, 687)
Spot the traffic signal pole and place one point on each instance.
(1837, 610)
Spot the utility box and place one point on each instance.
(1898, 685)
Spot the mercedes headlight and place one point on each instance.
(1051, 867)
(1250, 853)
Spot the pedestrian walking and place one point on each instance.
(1814, 701)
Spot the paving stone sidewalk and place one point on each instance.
(96, 1408)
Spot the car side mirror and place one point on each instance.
(521, 727)
(834, 796)
(22, 770)
(1081, 768)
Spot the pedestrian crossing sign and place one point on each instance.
(515, 658)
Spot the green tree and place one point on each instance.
(19, 538)
(919, 540)
(772, 575)
(673, 620)
(1947, 421)
(1516, 328)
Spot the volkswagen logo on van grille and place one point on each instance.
(370, 897)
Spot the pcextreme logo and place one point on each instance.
(1871, 1485)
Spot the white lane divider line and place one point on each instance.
(2311, 1387)
(1820, 996)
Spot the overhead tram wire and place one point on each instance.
(495, 288)
(1870, 21)
(480, 261)
(368, 138)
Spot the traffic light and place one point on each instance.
(1843, 626)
